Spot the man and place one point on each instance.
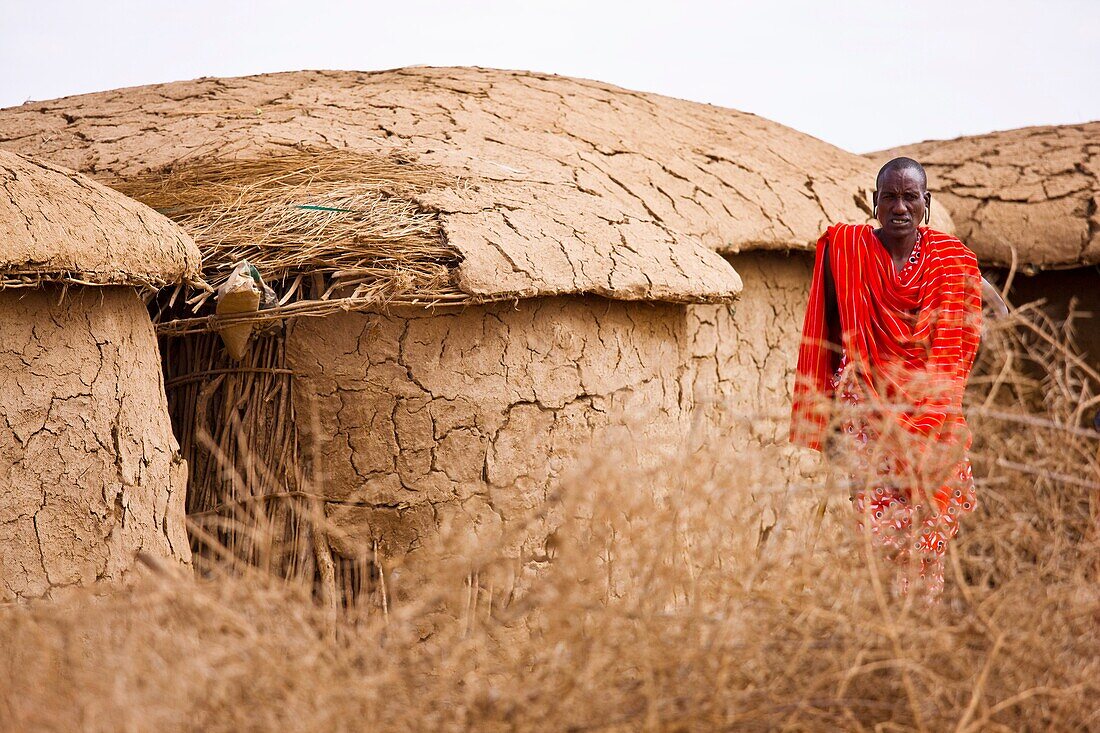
(890, 336)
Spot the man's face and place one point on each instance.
(902, 201)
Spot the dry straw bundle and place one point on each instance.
(327, 226)
(668, 600)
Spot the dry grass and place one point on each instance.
(662, 605)
(318, 223)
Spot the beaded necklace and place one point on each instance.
(914, 257)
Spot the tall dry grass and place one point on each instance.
(666, 601)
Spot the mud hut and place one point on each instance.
(503, 265)
(1026, 201)
(90, 469)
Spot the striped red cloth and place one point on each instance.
(911, 338)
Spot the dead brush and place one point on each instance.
(659, 604)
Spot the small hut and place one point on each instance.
(500, 267)
(90, 469)
(1026, 201)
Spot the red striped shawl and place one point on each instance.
(912, 340)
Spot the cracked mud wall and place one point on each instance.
(744, 354)
(743, 361)
(89, 470)
(468, 418)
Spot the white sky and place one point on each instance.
(863, 75)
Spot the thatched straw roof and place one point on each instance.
(60, 226)
(563, 185)
(1035, 190)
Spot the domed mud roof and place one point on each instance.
(61, 226)
(550, 185)
(1034, 190)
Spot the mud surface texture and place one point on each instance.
(744, 355)
(1035, 190)
(468, 419)
(56, 224)
(571, 186)
(89, 469)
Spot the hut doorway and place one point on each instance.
(1070, 297)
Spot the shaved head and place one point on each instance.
(901, 200)
(901, 164)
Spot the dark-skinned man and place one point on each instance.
(889, 338)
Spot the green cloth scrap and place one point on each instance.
(323, 208)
